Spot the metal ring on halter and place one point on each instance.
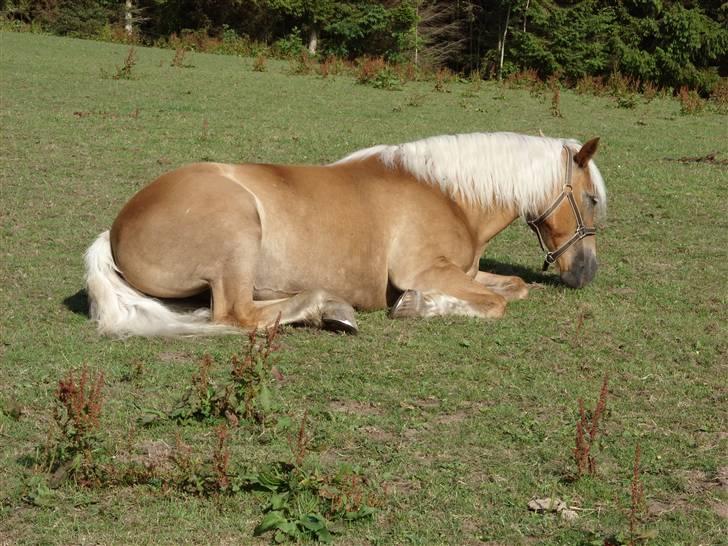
(581, 230)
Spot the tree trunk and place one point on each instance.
(503, 44)
(312, 41)
(128, 27)
(417, 34)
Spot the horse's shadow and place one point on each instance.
(77, 303)
(527, 274)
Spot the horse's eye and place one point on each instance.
(593, 200)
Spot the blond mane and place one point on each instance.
(487, 169)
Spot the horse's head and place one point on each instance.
(566, 228)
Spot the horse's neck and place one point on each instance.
(483, 223)
(486, 223)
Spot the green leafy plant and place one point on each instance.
(200, 401)
(246, 395)
(627, 100)
(307, 504)
(377, 73)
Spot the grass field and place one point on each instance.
(457, 423)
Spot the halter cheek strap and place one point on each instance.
(581, 230)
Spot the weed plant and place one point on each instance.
(126, 70)
(73, 451)
(587, 433)
(260, 63)
(246, 395)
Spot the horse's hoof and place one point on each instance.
(408, 305)
(340, 320)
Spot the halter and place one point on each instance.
(581, 230)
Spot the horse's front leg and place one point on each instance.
(508, 286)
(444, 289)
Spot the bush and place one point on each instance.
(79, 18)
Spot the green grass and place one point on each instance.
(460, 421)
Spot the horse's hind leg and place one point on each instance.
(232, 296)
(311, 308)
(233, 304)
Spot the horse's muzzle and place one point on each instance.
(582, 269)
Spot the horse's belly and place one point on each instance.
(360, 279)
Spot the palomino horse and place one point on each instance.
(390, 226)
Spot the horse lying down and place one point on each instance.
(400, 227)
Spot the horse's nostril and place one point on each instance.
(582, 270)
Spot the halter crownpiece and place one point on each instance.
(581, 230)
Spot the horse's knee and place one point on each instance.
(518, 288)
(496, 307)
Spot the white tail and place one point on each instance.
(121, 311)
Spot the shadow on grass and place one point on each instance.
(78, 303)
(527, 274)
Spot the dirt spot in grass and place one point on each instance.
(697, 481)
(355, 407)
(711, 158)
(174, 356)
(379, 435)
(152, 454)
(451, 418)
(623, 291)
(471, 532)
(657, 508)
(720, 508)
(412, 434)
(427, 403)
(401, 486)
(721, 478)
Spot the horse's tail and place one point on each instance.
(120, 310)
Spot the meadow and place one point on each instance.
(454, 424)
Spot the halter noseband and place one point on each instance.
(581, 230)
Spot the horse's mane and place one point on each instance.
(488, 169)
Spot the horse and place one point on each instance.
(398, 227)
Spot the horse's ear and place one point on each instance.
(587, 151)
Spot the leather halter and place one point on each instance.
(581, 230)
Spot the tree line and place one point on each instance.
(670, 43)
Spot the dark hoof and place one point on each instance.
(408, 305)
(336, 325)
(340, 320)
